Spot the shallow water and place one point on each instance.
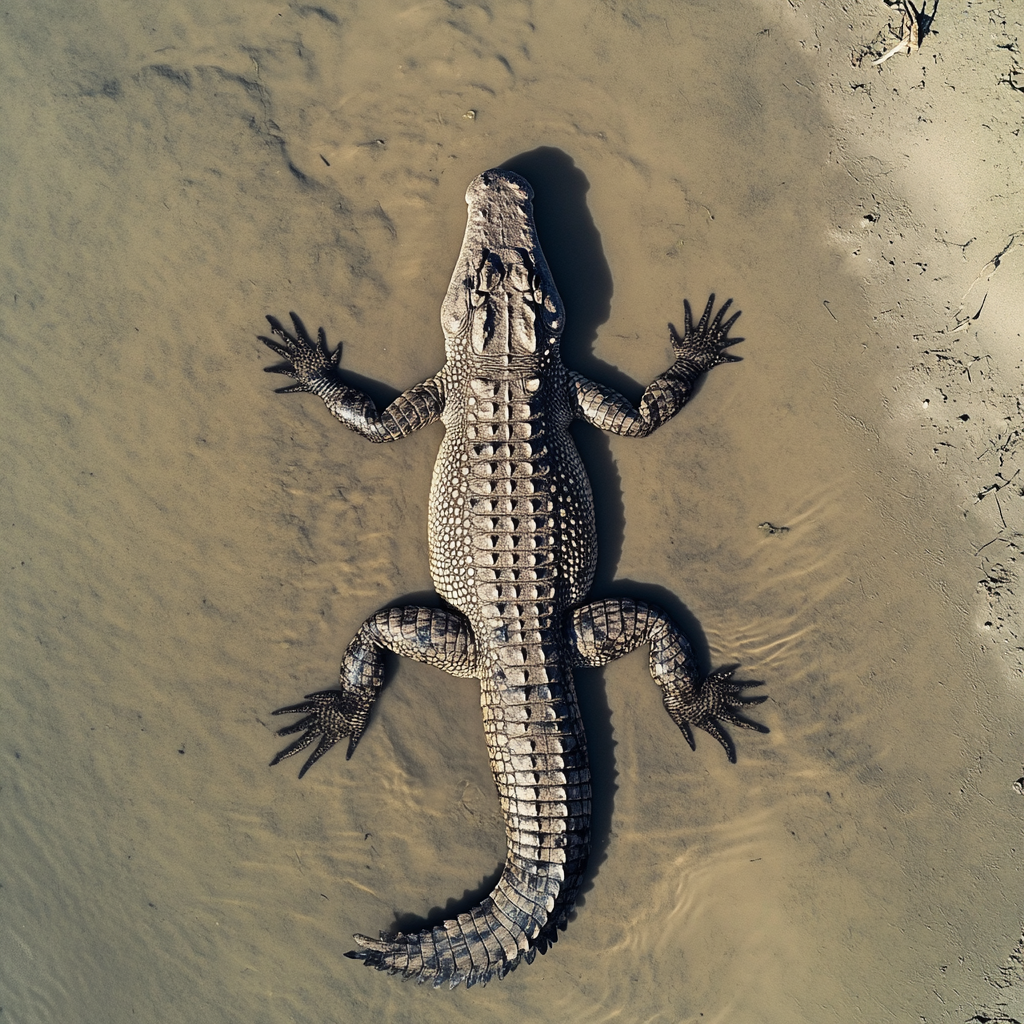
(186, 551)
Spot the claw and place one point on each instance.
(758, 698)
(278, 329)
(321, 340)
(330, 715)
(724, 330)
(707, 312)
(687, 734)
(324, 745)
(304, 723)
(281, 350)
(711, 335)
(305, 360)
(300, 744)
(744, 723)
(327, 740)
(712, 728)
(300, 709)
(300, 328)
(687, 319)
(717, 702)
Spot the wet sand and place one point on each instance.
(186, 551)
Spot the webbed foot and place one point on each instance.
(331, 715)
(307, 360)
(702, 346)
(717, 701)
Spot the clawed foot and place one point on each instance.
(308, 360)
(703, 347)
(330, 715)
(717, 702)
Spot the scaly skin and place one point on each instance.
(512, 552)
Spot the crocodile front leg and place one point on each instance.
(606, 630)
(699, 349)
(315, 368)
(431, 635)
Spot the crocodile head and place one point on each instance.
(502, 309)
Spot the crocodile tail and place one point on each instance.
(538, 755)
(520, 916)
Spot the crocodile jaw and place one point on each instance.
(502, 307)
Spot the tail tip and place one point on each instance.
(372, 953)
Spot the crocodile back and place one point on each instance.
(512, 547)
(511, 522)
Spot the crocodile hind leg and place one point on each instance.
(431, 635)
(606, 630)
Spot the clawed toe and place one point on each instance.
(705, 343)
(305, 707)
(718, 701)
(293, 748)
(331, 715)
(305, 359)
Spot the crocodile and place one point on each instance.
(512, 549)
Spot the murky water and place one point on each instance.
(185, 550)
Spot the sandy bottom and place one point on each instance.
(185, 551)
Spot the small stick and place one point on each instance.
(910, 30)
